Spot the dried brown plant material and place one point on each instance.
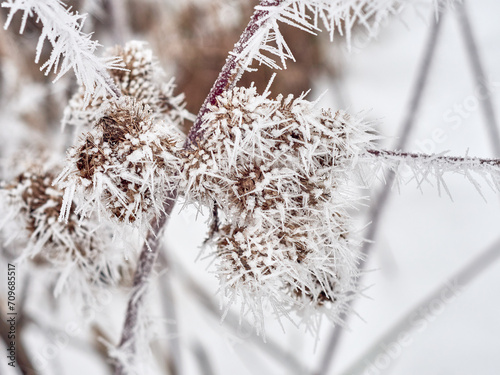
(140, 77)
(125, 166)
(79, 244)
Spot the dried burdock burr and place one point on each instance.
(280, 171)
(275, 155)
(125, 167)
(78, 245)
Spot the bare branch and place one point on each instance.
(424, 167)
(203, 359)
(460, 161)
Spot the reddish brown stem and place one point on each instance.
(232, 70)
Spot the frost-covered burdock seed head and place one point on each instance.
(38, 205)
(280, 171)
(262, 157)
(126, 165)
(141, 78)
(305, 267)
(33, 205)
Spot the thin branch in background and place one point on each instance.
(203, 359)
(407, 323)
(479, 77)
(381, 200)
(142, 275)
(234, 321)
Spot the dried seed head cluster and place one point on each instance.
(125, 166)
(34, 205)
(142, 78)
(279, 171)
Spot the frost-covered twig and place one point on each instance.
(71, 48)
(406, 324)
(424, 166)
(452, 162)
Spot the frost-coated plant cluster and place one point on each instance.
(279, 170)
(125, 165)
(78, 246)
(280, 176)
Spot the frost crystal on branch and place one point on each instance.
(125, 166)
(430, 168)
(279, 171)
(71, 48)
(310, 15)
